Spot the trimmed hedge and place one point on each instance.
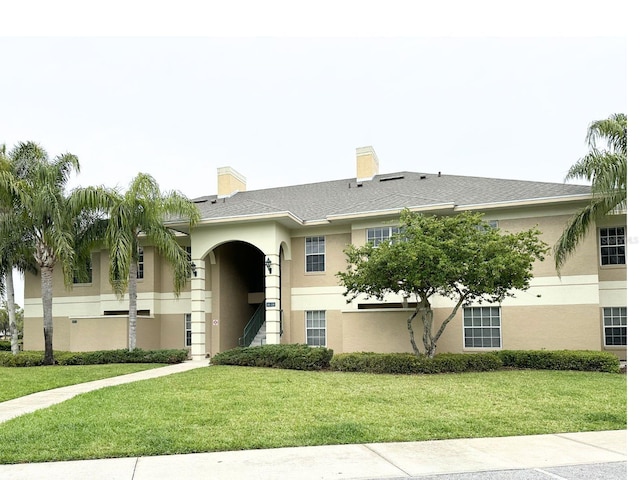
(34, 359)
(5, 345)
(407, 363)
(588, 361)
(290, 356)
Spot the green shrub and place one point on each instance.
(584, 360)
(23, 359)
(5, 345)
(407, 363)
(31, 359)
(293, 357)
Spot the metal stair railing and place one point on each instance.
(252, 328)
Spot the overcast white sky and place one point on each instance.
(284, 92)
(293, 110)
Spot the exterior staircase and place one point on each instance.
(261, 336)
(255, 333)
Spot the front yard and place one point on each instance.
(233, 408)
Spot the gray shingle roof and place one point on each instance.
(393, 191)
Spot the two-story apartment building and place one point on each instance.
(273, 254)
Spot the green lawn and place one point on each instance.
(232, 408)
(20, 381)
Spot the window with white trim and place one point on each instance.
(482, 327)
(187, 329)
(314, 250)
(488, 225)
(316, 328)
(140, 273)
(614, 320)
(378, 235)
(612, 246)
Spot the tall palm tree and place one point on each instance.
(15, 253)
(142, 211)
(606, 169)
(50, 216)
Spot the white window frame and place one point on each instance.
(140, 270)
(481, 318)
(613, 239)
(385, 234)
(315, 246)
(319, 316)
(614, 318)
(187, 330)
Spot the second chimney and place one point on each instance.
(367, 163)
(230, 182)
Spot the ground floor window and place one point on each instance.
(482, 327)
(316, 327)
(615, 325)
(187, 329)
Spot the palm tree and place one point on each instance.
(15, 251)
(15, 255)
(606, 169)
(50, 218)
(142, 211)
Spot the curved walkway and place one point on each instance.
(569, 456)
(35, 401)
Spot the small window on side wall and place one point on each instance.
(187, 329)
(378, 235)
(482, 327)
(314, 250)
(614, 320)
(613, 246)
(316, 328)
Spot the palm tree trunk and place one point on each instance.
(11, 306)
(133, 303)
(46, 282)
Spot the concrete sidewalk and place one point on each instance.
(575, 456)
(36, 401)
(586, 456)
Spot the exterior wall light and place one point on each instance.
(267, 264)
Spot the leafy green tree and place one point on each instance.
(50, 217)
(142, 211)
(5, 321)
(606, 169)
(458, 257)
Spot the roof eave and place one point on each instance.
(391, 211)
(526, 202)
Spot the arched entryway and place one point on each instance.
(238, 290)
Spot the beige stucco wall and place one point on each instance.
(98, 333)
(385, 330)
(34, 336)
(335, 261)
(556, 313)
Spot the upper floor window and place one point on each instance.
(140, 263)
(85, 276)
(378, 235)
(487, 225)
(314, 252)
(615, 325)
(612, 246)
(482, 327)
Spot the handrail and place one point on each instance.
(252, 328)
